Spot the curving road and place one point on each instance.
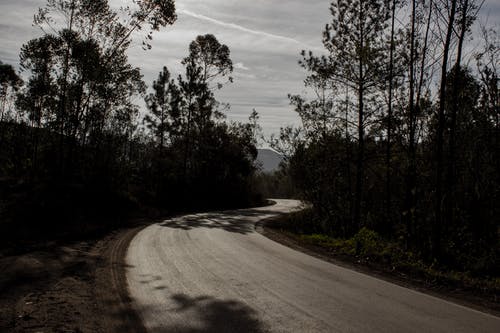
(213, 273)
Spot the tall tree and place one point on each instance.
(10, 83)
(82, 84)
(412, 124)
(388, 154)
(165, 109)
(438, 225)
(353, 40)
(466, 13)
(208, 67)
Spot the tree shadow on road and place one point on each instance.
(208, 314)
(239, 221)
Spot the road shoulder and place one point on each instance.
(79, 287)
(269, 228)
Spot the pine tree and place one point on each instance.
(353, 40)
(165, 109)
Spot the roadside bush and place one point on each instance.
(303, 222)
(368, 243)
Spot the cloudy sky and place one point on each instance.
(265, 38)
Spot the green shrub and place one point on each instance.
(368, 243)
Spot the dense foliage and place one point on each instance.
(382, 148)
(77, 149)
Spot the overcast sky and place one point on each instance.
(265, 38)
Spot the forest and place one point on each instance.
(131, 200)
(76, 153)
(399, 146)
(399, 142)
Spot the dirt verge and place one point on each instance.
(79, 287)
(111, 285)
(272, 229)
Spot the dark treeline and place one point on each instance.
(76, 148)
(401, 135)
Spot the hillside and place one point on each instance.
(269, 160)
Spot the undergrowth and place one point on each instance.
(369, 248)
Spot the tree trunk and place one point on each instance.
(63, 96)
(424, 56)
(438, 225)
(411, 172)
(361, 132)
(451, 171)
(348, 163)
(361, 151)
(388, 223)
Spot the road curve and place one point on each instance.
(213, 273)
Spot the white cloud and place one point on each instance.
(240, 65)
(265, 38)
(244, 29)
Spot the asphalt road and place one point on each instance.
(214, 273)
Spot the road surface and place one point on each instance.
(214, 273)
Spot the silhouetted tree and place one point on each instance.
(388, 155)
(466, 15)
(82, 85)
(355, 58)
(10, 83)
(441, 148)
(438, 225)
(203, 160)
(208, 64)
(166, 109)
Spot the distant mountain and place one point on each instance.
(268, 160)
